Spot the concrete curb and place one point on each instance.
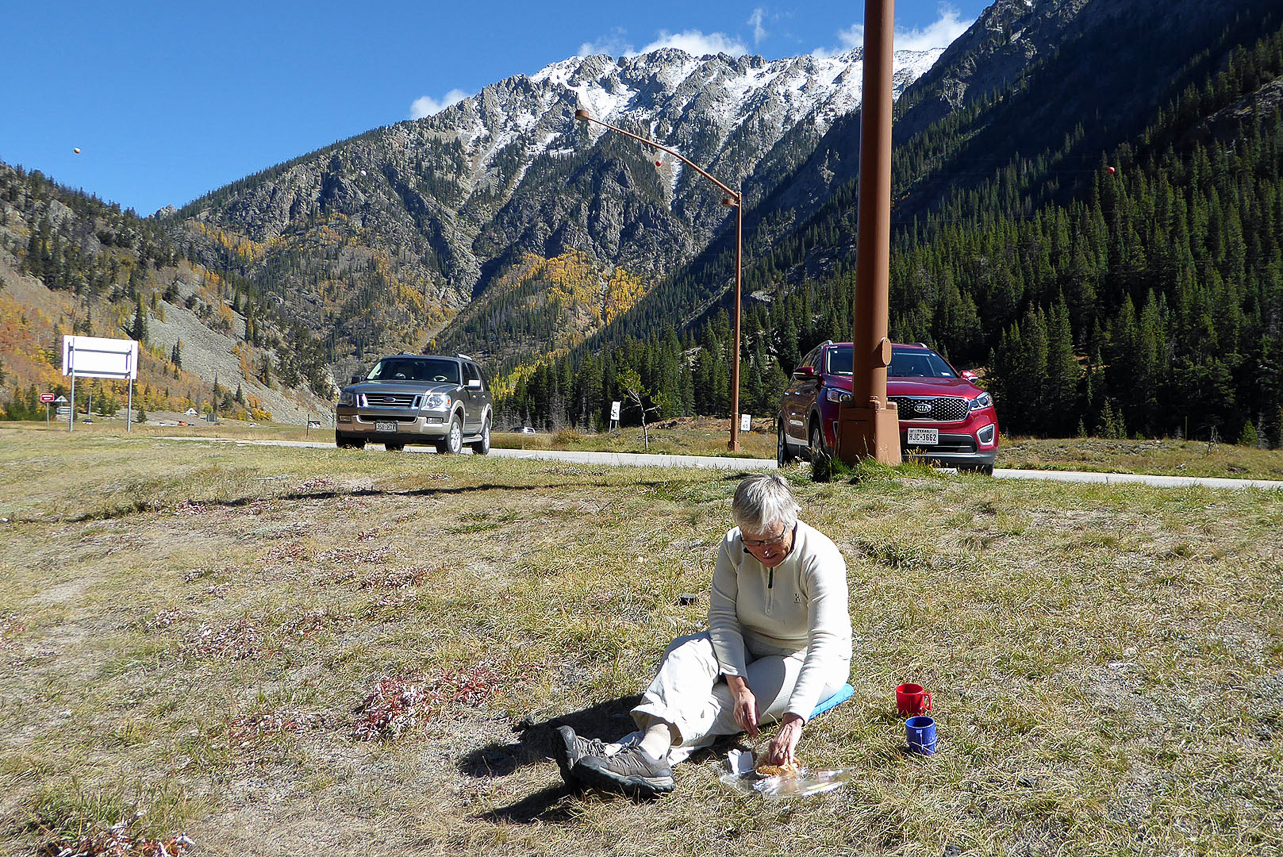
(1138, 478)
(640, 459)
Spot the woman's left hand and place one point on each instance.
(780, 750)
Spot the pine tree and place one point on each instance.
(139, 331)
(1061, 396)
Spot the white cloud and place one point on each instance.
(851, 37)
(691, 41)
(755, 19)
(697, 44)
(614, 45)
(429, 106)
(937, 35)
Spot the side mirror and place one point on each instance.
(356, 379)
(968, 375)
(474, 383)
(804, 372)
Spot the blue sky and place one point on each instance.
(167, 101)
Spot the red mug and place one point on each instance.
(911, 700)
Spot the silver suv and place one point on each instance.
(416, 399)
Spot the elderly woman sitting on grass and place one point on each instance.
(778, 642)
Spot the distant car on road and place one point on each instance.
(524, 430)
(944, 416)
(417, 399)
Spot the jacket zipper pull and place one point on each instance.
(770, 581)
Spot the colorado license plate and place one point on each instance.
(923, 437)
(385, 427)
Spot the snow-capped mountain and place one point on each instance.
(689, 103)
(437, 208)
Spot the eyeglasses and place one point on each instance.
(765, 543)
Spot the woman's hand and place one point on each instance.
(780, 750)
(745, 704)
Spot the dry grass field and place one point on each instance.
(192, 631)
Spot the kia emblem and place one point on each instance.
(922, 407)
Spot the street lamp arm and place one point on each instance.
(584, 116)
(732, 198)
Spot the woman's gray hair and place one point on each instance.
(761, 502)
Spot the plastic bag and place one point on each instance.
(743, 777)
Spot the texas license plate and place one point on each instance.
(923, 437)
(387, 428)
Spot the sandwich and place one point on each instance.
(767, 770)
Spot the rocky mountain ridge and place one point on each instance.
(70, 264)
(380, 240)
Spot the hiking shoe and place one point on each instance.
(629, 771)
(573, 748)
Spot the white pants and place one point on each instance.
(691, 696)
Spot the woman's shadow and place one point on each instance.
(536, 743)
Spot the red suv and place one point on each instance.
(944, 416)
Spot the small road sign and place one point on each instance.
(46, 398)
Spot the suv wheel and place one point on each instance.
(482, 446)
(817, 441)
(453, 443)
(783, 455)
(343, 441)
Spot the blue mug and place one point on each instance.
(920, 732)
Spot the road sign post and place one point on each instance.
(95, 357)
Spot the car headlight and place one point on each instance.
(348, 398)
(435, 402)
(838, 396)
(984, 400)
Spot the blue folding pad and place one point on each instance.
(844, 693)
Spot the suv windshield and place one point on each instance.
(918, 364)
(904, 364)
(415, 369)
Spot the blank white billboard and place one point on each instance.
(96, 357)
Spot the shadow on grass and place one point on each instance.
(546, 806)
(537, 740)
(132, 507)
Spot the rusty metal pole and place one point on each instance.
(868, 425)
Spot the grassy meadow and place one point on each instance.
(198, 632)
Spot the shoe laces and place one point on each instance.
(631, 760)
(591, 746)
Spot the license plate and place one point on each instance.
(386, 428)
(923, 437)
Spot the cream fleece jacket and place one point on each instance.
(797, 609)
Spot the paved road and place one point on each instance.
(633, 459)
(1129, 478)
(627, 459)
